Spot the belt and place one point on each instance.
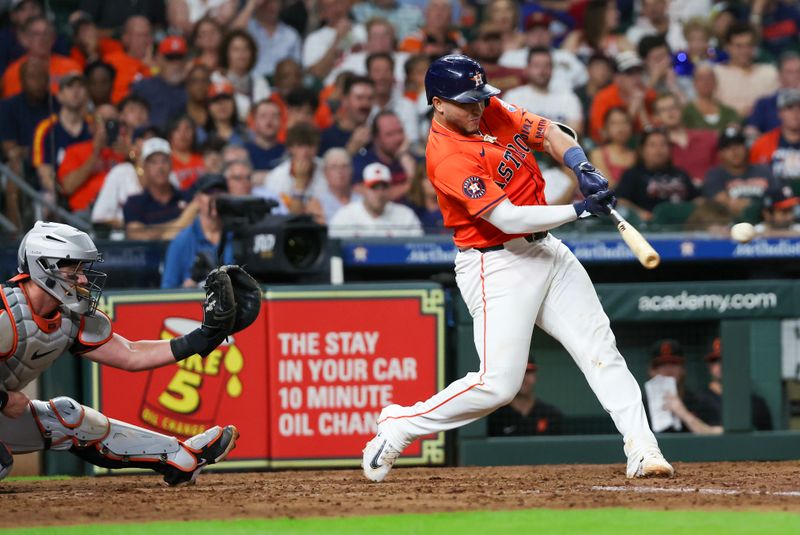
(530, 238)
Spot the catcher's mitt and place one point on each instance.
(247, 294)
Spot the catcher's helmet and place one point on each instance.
(48, 247)
(459, 78)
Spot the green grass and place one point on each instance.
(539, 521)
(38, 478)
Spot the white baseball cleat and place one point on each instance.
(649, 463)
(379, 455)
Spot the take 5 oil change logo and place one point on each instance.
(185, 401)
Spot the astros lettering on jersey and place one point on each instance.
(473, 173)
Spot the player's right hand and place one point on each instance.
(17, 403)
(599, 203)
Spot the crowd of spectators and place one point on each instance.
(115, 110)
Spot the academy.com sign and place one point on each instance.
(719, 303)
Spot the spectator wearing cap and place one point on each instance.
(780, 148)
(265, 151)
(486, 48)
(696, 150)
(135, 61)
(741, 81)
(55, 134)
(390, 147)
(406, 19)
(629, 90)
(223, 119)
(654, 179)
(111, 16)
(437, 37)
(237, 56)
(160, 211)
(735, 182)
(325, 47)
(100, 78)
(380, 40)
(375, 215)
(668, 360)
(765, 112)
(166, 92)
(599, 32)
(538, 97)
(705, 111)
(526, 414)
(779, 213)
(38, 37)
(350, 130)
(187, 162)
(276, 40)
(299, 180)
(569, 73)
(86, 164)
(705, 416)
(337, 165)
(194, 251)
(123, 181)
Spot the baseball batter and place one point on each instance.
(50, 308)
(511, 272)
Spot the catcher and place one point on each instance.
(51, 308)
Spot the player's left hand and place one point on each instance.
(590, 180)
(599, 203)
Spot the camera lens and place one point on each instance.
(302, 247)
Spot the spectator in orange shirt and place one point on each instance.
(87, 45)
(38, 36)
(187, 163)
(86, 164)
(438, 37)
(628, 91)
(135, 62)
(288, 77)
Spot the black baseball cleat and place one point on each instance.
(209, 447)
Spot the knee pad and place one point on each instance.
(64, 423)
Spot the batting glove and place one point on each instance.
(590, 179)
(599, 203)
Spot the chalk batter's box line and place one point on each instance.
(695, 490)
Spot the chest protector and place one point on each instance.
(30, 344)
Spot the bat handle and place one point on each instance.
(614, 215)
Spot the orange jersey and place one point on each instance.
(472, 174)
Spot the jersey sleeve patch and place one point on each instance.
(473, 187)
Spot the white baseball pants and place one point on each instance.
(507, 291)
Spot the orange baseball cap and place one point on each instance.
(716, 351)
(173, 46)
(376, 173)
(222, 88)
(667, 351)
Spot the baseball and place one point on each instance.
(743, 232)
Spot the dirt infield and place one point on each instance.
(768, 486)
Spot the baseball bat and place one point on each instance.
(641, 248)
